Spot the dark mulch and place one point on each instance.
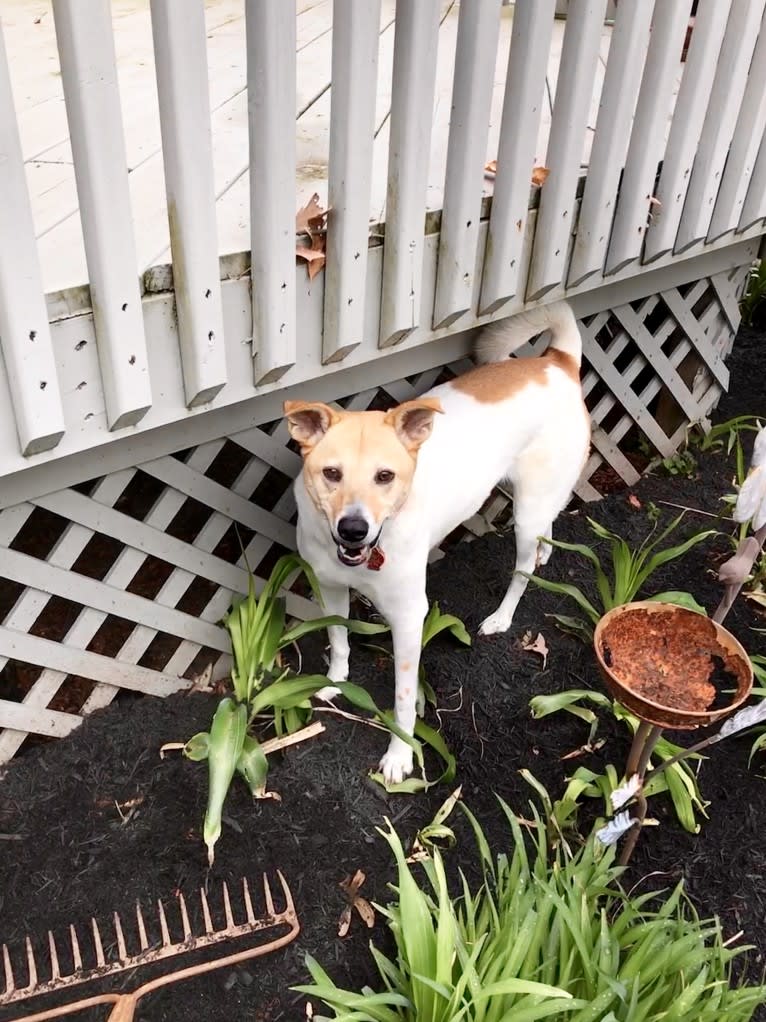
(68, 852)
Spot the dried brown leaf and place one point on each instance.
(634, 501)
(310, 217)
(366, 911)
(315, 259)
(539, 174)
(202, 682)
(491, 167)
(344, 924)
(535, 645)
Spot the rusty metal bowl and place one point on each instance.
(670, 666)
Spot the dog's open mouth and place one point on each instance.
(352, 556)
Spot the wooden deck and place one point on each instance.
(34, 62)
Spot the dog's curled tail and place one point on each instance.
(499, 340)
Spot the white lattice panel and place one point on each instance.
(121, 583)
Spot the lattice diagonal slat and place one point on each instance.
(122, 583)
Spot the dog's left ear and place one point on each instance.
(308, 421)
(414, 420)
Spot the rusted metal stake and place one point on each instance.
(646, 738)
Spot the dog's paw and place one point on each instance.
(328, 694)
(397, 762)
(495, 624)
(338, 671)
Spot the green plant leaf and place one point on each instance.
(576, 626)
(680, 599)
(227, 737)
(318, 623)
(198, 746)
(253, 766)
(437, 622)
(566, 589)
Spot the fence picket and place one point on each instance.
(647, 141)
(178, 29)
(685, 130)
(725, 99)
(574, 90)
(271, 85)
(24, 331)
(466, 155)
(89, 76)
(754, 206)
(355, 35)
(412, 101)
(748, 135)
(522, 108)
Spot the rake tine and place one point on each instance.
(99, 947)
(31, 964)
(227, 907)
(163, 924)
(248, 902)
(289, 903)
(122, 951)
(76, 957)
(184, 916)
(55, 970)
(141, 928)
(10, 983)
(269, 900)
(205, 911)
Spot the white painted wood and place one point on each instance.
(725, 99)
(647, 140)
(24, 332)
(354, 78)
(412, 100)
(570, 117)
(686, 127)
(754, 206)
(88, 72)
(32, 649)
(271, 84)
(471, 98)
(184, 103)
(522, 107)
(748, 135)
(50, 723)
(627, 53)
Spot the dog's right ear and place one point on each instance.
(308, 421)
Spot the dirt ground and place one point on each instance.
(92, 823)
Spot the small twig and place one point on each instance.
(310, 731)
(350, 716)
(694, 510)
(476, 730)
(457, 709)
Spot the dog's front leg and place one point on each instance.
(407, 631)
(336, 603)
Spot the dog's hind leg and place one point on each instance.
(336, 602)
(538, 498)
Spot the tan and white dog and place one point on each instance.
(379, 490)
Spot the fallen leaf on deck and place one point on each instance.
(539, 174)
(310, 217)
(634, 501)
(534, 645)
(491, 167)
(350, 887)
(315, 256)
(654, 201)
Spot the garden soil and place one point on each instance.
(92, 823)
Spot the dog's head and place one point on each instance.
(358, 466)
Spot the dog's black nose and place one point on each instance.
(352, 529)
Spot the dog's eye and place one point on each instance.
(384, 476)
(332, 474)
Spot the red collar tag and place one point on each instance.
(376, 560)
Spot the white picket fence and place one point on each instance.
(653, 207)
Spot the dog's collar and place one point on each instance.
(376, 560)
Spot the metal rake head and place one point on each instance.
(167, 947)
